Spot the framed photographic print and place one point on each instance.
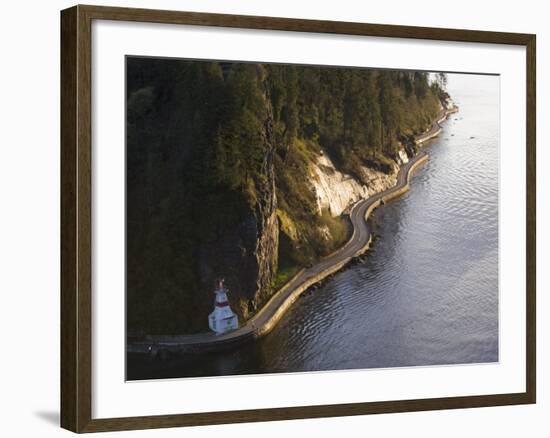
(268, 218)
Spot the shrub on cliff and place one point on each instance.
(216, 150)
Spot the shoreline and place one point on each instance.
(272, 312)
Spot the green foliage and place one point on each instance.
(199, 136)
(357, 116)
(284, 274)
(195, 156)
(339, 229)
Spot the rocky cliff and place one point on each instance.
(245, 255)
(245, 171)
(336, 191)
(202, 203)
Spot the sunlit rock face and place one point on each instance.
(402, 157)
(379, 181)
(336, 191)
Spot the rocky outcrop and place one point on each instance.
(267, 224)
(336, 191)
(402, 157)
(245, 256)
(209, 195)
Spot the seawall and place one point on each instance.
(272, 312)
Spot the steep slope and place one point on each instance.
(200, 192)
(246, 172)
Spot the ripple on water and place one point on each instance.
(427, 292)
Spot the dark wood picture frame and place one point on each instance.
(76, 218)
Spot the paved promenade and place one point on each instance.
(282, 300)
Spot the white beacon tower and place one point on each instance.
(222, 319)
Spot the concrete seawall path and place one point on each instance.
(264, 321)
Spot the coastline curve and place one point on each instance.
(272, 312)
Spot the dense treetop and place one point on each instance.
(199, 139)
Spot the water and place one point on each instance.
(427, 294)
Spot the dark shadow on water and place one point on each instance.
(51, 417)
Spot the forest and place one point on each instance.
(217, 172)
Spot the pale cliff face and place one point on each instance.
(336, 191)
(402, 156)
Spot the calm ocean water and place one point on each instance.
(427, 293)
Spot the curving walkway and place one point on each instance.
(274, 309)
